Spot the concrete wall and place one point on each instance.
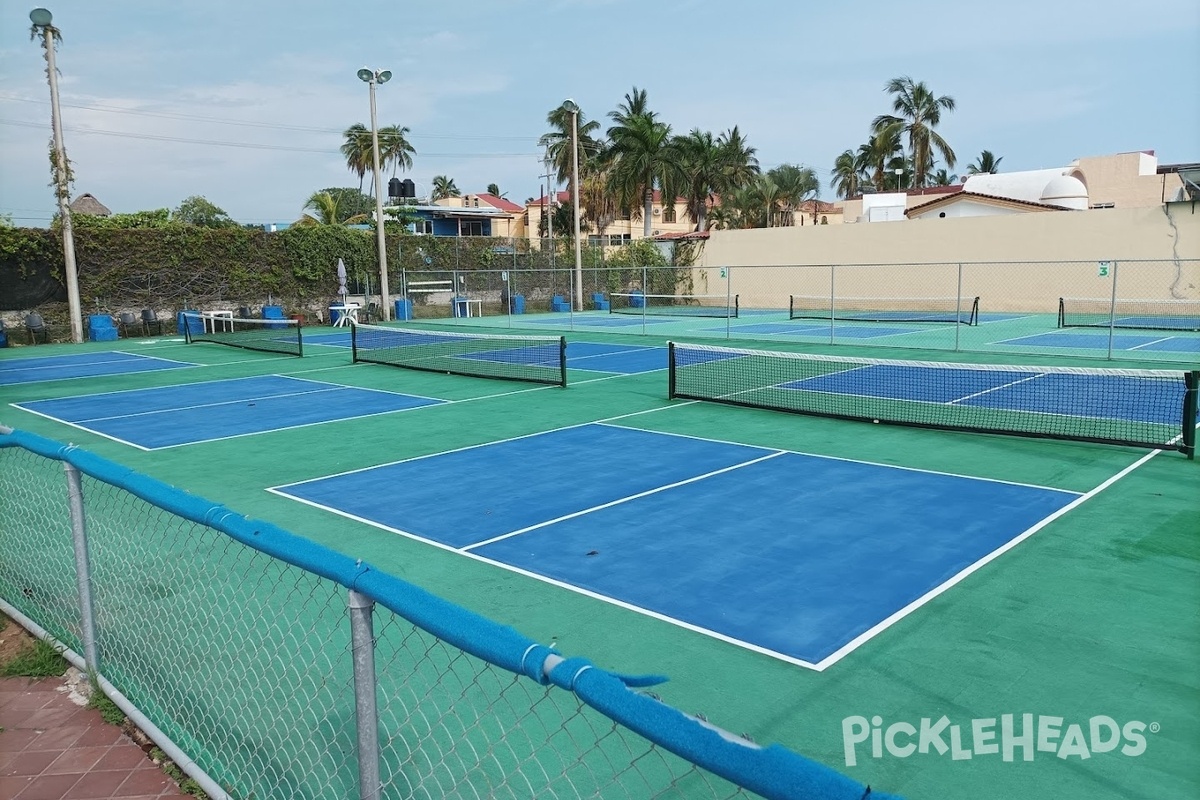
(1021, 262)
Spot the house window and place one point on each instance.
(422, 226)
(470, 227)
(668, 213)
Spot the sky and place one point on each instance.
(244, 103)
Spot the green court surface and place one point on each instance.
(1093, 616)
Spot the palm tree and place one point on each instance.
(944, 178)
(919, 112)
(595, 198)
(494, 190)
(636, 105)
(847, 177)
(356, 147)
(796, 185)
(394, 148)
(879, 156)
(558, 142)
(740, 164)
(644, 156)
(704, 172)
(327, 210)
(443, 187)
(986, 163)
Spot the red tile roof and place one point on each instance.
(500, 203)
(987, 198)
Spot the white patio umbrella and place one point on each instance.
(341, 273)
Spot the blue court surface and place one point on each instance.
(81, 365)
(600, 321)
(792, 555)
(816, 328)
(1120, 341)
(201, 412)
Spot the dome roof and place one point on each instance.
(1066, 191)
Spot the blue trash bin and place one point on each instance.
(335, 315)
(404, 309)
(517, 304)
(637, 299)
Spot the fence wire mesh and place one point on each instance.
(244, 661)
(1010, 307)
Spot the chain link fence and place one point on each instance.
(1145, 310)
(270, 667)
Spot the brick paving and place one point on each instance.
(53, 749)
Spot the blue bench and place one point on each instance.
(598, 302)
(273, 313)
(101, 328)
(558, 303)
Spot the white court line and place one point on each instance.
(234, 401)
(849, 460)
(81, 428)
(1147, 344)
(993, 389)
(170, 386)
(622, 500)
(879, 627)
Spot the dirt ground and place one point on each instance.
(13, 639)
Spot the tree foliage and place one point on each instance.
(196, 210)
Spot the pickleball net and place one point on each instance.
(1142, 408)
(266, 335)
(673, 305)
(964, 310)
(1154, 315)
(537, 359)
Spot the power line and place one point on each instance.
(245, 145)
(268, 125)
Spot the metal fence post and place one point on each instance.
(362, 642)
(83, 570)
(958, 311)
(1112, 311)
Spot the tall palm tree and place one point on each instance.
(636, 105)
(443, 187)
(356, 147)
(740, 163)
(704, 170)
(557, 142)
(394, 148)
(917, 113)
(986, 163)
(644, 156)
(943, 178)
(847, 177)
(595, 198)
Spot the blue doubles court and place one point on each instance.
(169, 416)
(81, 365)
(659, 523)
(1100, 341)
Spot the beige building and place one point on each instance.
(666, 219)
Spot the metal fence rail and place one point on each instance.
(271, 667)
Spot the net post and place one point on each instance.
(791, 306)
(562, 360)
(299, 338)
(366, 714)
(187, 327)
(735, 306)
(353, 342)
(1062, 313)
(83, 570)
(1191, 400)
(670, 370)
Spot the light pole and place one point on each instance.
(372, 78)
(574, 111)
(41, 19)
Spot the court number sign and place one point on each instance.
(723, 273)
(1103, 268)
